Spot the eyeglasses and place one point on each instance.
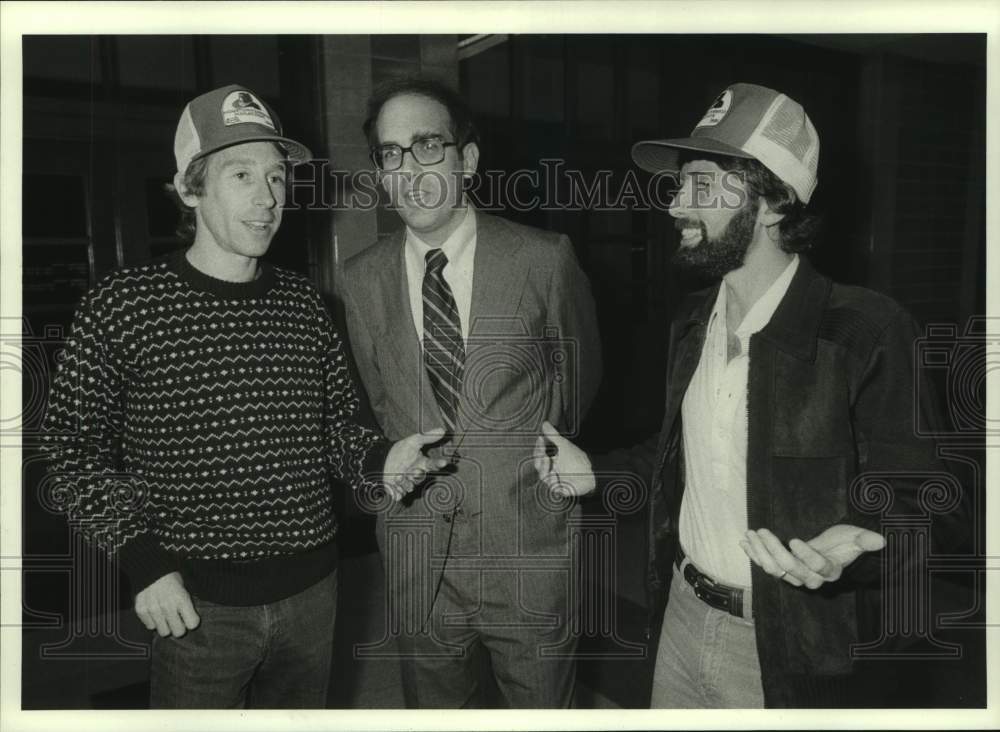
(426, 151)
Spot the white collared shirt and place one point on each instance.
(713, 517)
(460, 248)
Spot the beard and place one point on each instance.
(713, 258)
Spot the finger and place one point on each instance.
(766, 559)
(428, 437)
(146, 619)
(751, 553)
(760, 555)
(430, 465)
(174, 622)
(417, 475)
(552, 434)
(870, 541)
(419, 464)
(160, 622)
(541, 459)
(189, 616)
(392, 490)
(539, 452)
(560, 489)
(789, 564)
(826, 567)
(816, 561)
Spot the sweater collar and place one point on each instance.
(198, 280)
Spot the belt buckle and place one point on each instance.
(725, 601)
(706, 590)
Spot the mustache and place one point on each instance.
(681, 224)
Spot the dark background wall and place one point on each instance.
(902, 179)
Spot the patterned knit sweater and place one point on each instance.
(194, 426)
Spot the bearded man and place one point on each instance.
(782, 388)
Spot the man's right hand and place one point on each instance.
(568, 472)
(165, 606)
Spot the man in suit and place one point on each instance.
(783, 390)
(486, 328)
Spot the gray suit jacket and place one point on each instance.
(533, 353)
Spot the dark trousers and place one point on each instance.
(530, 649)
(274, 656)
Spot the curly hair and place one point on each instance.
(194, 183)
(799, 228)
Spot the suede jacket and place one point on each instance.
(832, 395)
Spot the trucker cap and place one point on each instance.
(747, 121)
(228, 116)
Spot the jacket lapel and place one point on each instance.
(795, 325)
(690, 341)
(498, 277)
(403, 340)
(498, 274)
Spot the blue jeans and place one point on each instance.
(274, 656)
(707, 658)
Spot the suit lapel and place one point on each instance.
(498, 274)
(403, 340)
(498, 277)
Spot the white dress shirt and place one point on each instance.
(460, 248)
(713, 517)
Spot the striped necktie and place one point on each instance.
(444, 350)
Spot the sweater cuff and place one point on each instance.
(145, 561)
(373, 466)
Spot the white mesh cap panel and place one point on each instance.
(786, 142)
(187, 143)
(786, 128)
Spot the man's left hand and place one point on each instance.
(814, 562)
(406, 466)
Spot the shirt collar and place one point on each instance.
(761, 312)
(455, 245)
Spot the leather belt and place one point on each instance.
(722, 597)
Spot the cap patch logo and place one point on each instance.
(242, 106)
(718, 110)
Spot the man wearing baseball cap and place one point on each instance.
(782, 388)
(203, 405)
